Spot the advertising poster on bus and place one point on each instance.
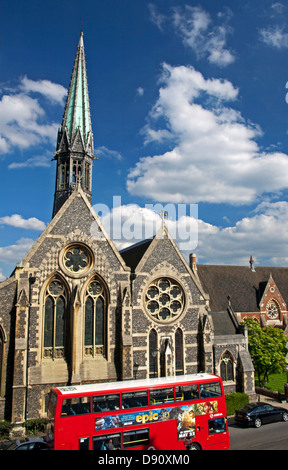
(185, 416)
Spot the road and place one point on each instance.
(272, 436)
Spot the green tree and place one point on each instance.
(267, 347)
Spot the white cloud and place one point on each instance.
(262, 234)
(17, 220)
(275, 37)
(23, 121)
(199, 32)
(157, 18)
(33, 162)
(215, 157)
(16, 252)
(20, 123)
(107, 153)
(53, 91)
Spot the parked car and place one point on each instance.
(30, 443)
(256, 414)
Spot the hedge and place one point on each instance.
(234, 401)
(5, 427)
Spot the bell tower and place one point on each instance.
(74, 152)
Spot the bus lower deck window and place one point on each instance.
(135, 438)
(102, 442)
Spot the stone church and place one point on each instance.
(76, 310)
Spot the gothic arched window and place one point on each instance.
(1, 357)
(95, 319)
(153, 354)
(226, 367)
(55, 308)
(179, 362)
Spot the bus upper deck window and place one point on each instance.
(187, 392)
(75, 406)
(210, 390)
(107, 402)
(134, 399)
(161, 396)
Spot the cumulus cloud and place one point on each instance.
(17, 220)
(16, 252)
(262, 234)
(214, 157)
(52, 91)
(23, 120)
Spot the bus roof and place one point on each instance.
(127, 384)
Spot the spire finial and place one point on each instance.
(163, 216)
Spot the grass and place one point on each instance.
(276, 382)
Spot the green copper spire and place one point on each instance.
(77, 110)
(74, 151)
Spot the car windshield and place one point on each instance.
(13, 446)
(247, 408)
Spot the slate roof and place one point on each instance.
(133, 254)
(244, 286)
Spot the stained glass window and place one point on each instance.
(226, 367)
(76, 259)
(95, 319)
(164, 300)
(153, 354)
(179, 352)
(55, 307)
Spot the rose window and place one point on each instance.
(164, 300)
(76, 259)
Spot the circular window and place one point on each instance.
(76, 259)
(272, 310)
(164, 300)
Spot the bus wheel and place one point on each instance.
(194, 446)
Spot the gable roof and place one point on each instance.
(244, 286)
(133, 254)
(73, 223)
(136, 255)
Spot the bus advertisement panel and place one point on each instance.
(169, 413)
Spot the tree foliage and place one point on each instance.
(267, 347)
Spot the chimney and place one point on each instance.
(251, 261)
(193, 265)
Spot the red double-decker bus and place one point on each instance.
(168, 413)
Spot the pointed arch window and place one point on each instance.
(55, 316)
(153, 354)
(1, 358)
(95, 319)
(226, 367)
(179, 359)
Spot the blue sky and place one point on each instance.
(188, 106)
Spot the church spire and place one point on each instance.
(74, 151)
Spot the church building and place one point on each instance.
(76, 310)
